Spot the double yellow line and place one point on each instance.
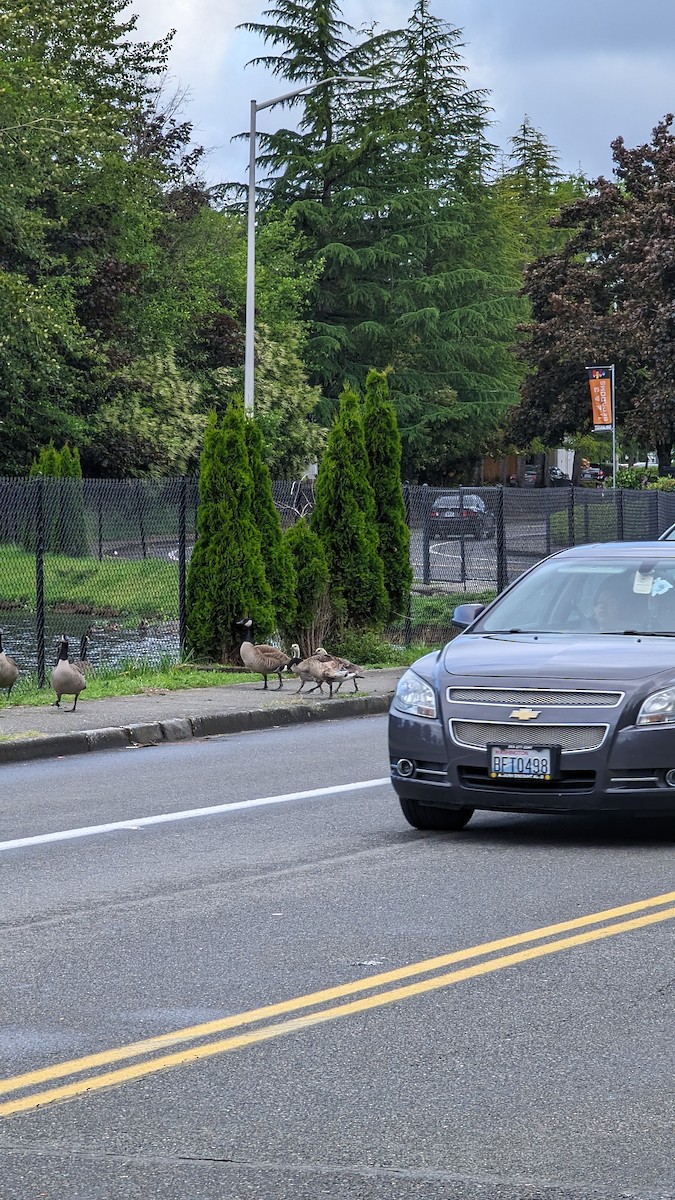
(547, 940)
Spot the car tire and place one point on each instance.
(479, 533)
(429, 816)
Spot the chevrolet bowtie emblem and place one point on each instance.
(524, 714)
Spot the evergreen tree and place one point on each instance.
(383, 446)
(532, 186)
(226, 578)
(348, 533)
(388, 184)
(48, 466)
(279, 567)
(72, 533)
(47, 462)
(311, 573)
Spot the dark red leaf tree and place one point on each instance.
(608, 296)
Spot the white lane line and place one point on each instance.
(188, 814)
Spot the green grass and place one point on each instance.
(592, 523)
(137, 679)
(110, 588)
(431, 616)
(129, 679)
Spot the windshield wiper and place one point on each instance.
(633, 633)
(503, 631)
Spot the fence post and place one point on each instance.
(618, 504)
(426, 533)
(40, 579)
(182, 608)
(99, 509)
(549, 515)
(570, 516)
(407, 623)
(140, 497)
(500, 532)
(653, 516)
(462, 538)
(587, 532)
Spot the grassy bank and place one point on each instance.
(110, 588)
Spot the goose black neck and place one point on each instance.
(63, 652)
(1, 642)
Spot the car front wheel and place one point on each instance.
(428, 816)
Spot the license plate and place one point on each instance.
(523, 762)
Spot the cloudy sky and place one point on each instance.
(583, 71)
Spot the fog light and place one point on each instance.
(405, 768)
(670, 778)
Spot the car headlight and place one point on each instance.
(415, 696)
(658, 709)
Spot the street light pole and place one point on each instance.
(249, 369)
(249, 382)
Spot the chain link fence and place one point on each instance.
(109, 557)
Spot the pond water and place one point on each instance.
(109, 643)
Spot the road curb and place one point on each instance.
(175, 729)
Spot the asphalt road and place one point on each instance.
(537, 1065)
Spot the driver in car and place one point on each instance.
(611, 612)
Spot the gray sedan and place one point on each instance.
(557, 697)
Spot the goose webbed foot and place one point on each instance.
(57, 703)
(281, 684)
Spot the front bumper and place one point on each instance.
(626, 775)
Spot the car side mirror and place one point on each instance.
(465, 614)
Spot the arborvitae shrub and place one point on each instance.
(279, 567)
(348, 533)
(62, 503)
(383, 446)
(226, 578)
(311, 574)
(72, 534)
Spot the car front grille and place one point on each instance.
(480, 734)
(568, 781)
(534, 697)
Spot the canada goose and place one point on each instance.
(321, 671)
(326, 672)
(67, 679)
(266, 660)
(9, 672)
(344, 664)
(301, 667)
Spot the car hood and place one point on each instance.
(548, 656)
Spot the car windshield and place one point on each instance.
(597, 596)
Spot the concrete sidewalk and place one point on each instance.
(153, 717)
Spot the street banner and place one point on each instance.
(602, 401)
